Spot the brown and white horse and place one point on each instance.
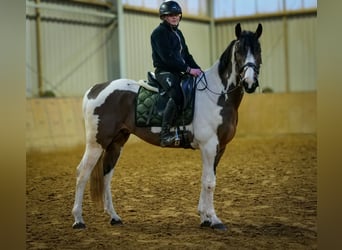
(109, 115)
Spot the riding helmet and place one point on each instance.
(169, 7)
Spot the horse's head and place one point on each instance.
(247, 55)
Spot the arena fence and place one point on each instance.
(57, 123)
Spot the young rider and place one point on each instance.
(171, 59)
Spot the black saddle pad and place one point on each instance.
(150, 106)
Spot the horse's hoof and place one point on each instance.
(220, 226)
(78, 225)
(206, 223)
(115, 222)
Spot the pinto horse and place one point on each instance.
(109, 115)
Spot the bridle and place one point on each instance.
(203, 79)
(227, 90)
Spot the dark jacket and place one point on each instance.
(169, 50)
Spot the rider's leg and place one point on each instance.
(166, 138)
(170, 83)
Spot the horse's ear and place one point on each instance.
(258, 31)
(238, 30)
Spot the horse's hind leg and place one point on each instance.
(109, 162)
(111, 157)
(84, 169)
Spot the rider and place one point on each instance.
(171, 59)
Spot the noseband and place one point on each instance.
(249, 65)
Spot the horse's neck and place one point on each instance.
(213, 78)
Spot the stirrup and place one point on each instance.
(167, 141)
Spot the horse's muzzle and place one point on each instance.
(250, 89)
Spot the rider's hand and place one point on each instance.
(195, 72)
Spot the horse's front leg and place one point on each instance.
(210, 158)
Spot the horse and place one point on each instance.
(109, 118)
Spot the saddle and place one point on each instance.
(150, 105)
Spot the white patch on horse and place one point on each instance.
(89, 105)
(205, 128)
(249, 73)
(231, 79)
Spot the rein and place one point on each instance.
(205, 83)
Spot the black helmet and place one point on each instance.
(169, 7)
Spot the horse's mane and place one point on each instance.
(225, 64)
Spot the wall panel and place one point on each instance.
(138, 28)
(197, 35)
(54, 123)
(302, 53)
(73, 49)
(77, 54)
(31, 59)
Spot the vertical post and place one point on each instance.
(122, 47)
(210, 5)
(286, 49)
(39, 55)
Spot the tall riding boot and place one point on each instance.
(166, 138)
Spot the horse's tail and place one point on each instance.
(97, 182)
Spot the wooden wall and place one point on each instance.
(56, 123)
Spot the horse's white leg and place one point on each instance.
(206, 202)
(108, 203)
(84, 169)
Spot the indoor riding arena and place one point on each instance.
(266, 181)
